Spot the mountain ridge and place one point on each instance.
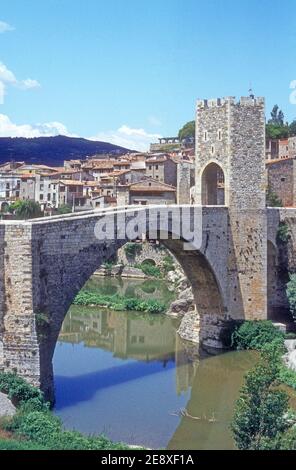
(54, 150)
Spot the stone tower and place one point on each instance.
(230, 170)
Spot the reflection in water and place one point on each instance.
(129, 375)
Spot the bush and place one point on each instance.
(291, 294)
(131, 249)
(46, 430)
(18, 390)
(116, 302)
(283, 233)
(168, 264)
(149, 269)
(288, 376)
(255, 334)
(260, 412)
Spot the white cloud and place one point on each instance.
(5, 27)
(29, 83)
(7, 77)
(125, 136)
(10, 129)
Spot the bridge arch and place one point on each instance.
(54, 259)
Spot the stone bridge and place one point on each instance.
(45, 262)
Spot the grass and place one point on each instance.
(117, 302)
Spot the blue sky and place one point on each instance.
(129, 70)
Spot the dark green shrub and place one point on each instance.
(39, 426)
(20, 445)
(283, 233)
(255, 334)
(17, 389)
(291, 294)
(150, 270)
(168, 264)
(260, 411)
(131, 249)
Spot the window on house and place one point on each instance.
(133, 339)
(219, 134)
(157, 177)
(7, 194)
(48, 196)
(142, 339)
(7, 186)
(17, 194)
(205, 136)
(150, 167)
(41, 197)
(283, 178)
(41, 187)
(212, 149)
(156, 167)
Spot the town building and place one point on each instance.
(145, 192)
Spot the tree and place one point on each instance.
(277, 116)
(25, 209)
(292, 128)
(260, 412)
(276, 128)
(187, 131)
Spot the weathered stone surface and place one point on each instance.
(290, 344)
(290, 357)
(129, 271)
(116, 270)
(6, 407)
(190, 327)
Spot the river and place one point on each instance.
(129, 375)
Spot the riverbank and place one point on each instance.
(31, 425)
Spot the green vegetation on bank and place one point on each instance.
(259, 334)
(117, 302)
(149, 269)
(34, 427)
(255, 334)
(262, 419)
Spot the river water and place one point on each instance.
(129, 375)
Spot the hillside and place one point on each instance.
(52, 150)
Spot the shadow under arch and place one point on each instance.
(213, 185)
(60, 286)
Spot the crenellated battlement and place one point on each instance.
(243, 101)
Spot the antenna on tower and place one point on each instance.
(251, 93)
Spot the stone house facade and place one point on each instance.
(281, 178)
(163, 169)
